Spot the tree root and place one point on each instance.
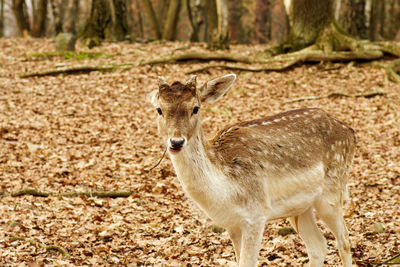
(62, 250)
(101, 194)
(74, 70)
(331, 45)
(335, 94)
(271, 67)
(392, 71)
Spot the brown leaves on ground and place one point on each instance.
(96, 131)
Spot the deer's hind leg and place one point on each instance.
(315, 242)
(331, 213)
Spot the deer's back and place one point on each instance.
(292, 141)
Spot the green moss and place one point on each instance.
(68, 55)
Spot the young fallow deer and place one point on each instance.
(251, 172)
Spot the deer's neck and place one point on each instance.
(196, 171)
(193, 162)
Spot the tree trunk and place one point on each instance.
(309, 19)
(148, 7)
(107, 21)
(351, 17)
(58, 10)
(211, 19)
(1, 18)
(272, 22)
(169, 31)
(376, 19)
(391, 23)
(195, 19)
(279, 22)
(263, 21)
(220, 36)
(39, 19)
(71, 17)
(21, 16)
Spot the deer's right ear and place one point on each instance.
(214, 89)
(152, 97)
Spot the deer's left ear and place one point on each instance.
(152, 97)
(216, 88)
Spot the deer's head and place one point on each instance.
(178, 106)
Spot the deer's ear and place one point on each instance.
(216, 88)
(152, 97)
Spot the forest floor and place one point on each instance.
(95, 131)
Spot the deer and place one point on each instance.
(281, 166)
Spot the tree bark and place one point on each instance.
(376, 18)
(211, 19)
(309, 19)
(351, 17)
(58, 10)
(195, 20)
(107, 21)
(279, 22)
(220, 35)
(148, 7)
(1, 18)
(39, 19)
(169, 31)
(263, 21)
(71, 17)
(21, 16)
(391, 23)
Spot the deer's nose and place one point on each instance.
(177, 143)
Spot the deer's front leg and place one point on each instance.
(236, 236)
(251, 243)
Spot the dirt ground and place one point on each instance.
(96, 131)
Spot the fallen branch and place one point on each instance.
(335, 94)
(201, 56)
(101, 194)
(283, 66)
(74, 70)
(392, 71)
(62, 250)
(392, 261)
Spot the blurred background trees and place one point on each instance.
(212, 21)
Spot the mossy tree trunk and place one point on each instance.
(107, 21)
(308, 19)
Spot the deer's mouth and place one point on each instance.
(174, 149)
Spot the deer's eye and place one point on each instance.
(159, 111)
(195, 110)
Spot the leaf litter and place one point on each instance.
(96, 132)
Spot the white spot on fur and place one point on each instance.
(266, 123)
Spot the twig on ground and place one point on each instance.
(62, 250)
(335, 94)
(101, 194)
(392, 261)
(74, 70)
